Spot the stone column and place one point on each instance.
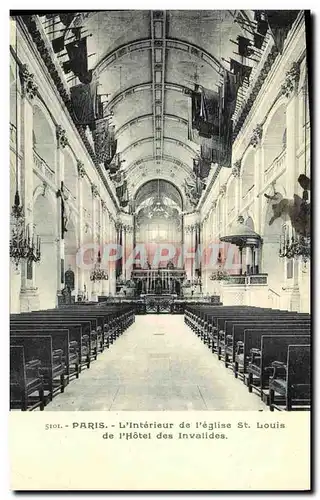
(223, 207)
(95, 194)
(256, 142)
(103, 243)
(112, 264)
(236, 170)
(124, 250)
(62, 142)
(80, 269)
(29, 298)
(289, 89)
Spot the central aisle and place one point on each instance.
(157, 364)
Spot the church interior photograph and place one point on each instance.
(160, 206)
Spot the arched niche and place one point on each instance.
(70, 173)
(44, 139)
(274, 138)
(45, 222)
(158, 219)
(247, 173)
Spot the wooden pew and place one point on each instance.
(273, 347)
(39, 347)
(60, 340)
(107, 324)
(78, 340)
(235, 349)
(25, 382)
(223, 336)
(290, 383)
(88, 325)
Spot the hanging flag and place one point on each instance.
(244, 46)
(112, 148)
(100, 139)
(243, 72)
(115, 165)
(196, 109)
(262, 27)
(258, 40)
(67, 18)
(86, 77)
(280, 22)
(209, 122)
(230, 92)
(119, 261)
(78, 59)
(193, 134)
(66, 67)
(58, 44)
(78, 56)
(201, 168)
(83, 97)
(76, 32)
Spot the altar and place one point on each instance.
(158, 281)
(158, 304)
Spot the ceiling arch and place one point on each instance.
(149, 116)
(147, 63)
(146, 44)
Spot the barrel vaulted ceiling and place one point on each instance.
(144, 61)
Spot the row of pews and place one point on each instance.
(268, 349)
(50, 348)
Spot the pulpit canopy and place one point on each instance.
(242, 235)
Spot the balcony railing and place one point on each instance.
(276, 167)
(254, 279)
(71, 196)
(248, 197)
(41, 165)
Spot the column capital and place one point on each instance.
(94, 191)
(236, 169)
(81, 169)
(29, 87)
(290, 84)
(61, 137)
(256, 137)
(104, 206)
(223, 189)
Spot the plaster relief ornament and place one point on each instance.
(81, 169)
(236, 169)
(256, 136)
(290, 84)
(61, 137)
(29, 88)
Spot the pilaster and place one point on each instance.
(29, 298)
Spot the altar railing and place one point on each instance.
(158, 280)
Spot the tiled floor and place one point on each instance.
(157, 364)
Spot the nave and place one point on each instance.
(157, 364)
